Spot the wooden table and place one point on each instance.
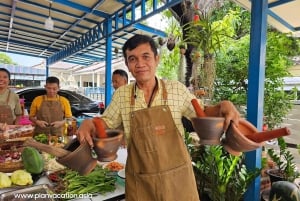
(116, 195)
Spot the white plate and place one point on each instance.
(106, 166)
(121, 173)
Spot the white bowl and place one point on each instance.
(121, 173)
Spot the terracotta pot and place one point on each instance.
(106, 148)
(79, 158)
(209, 129)
(235, 140)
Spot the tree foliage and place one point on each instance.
(5, 59)
(232, 60)
(232, 74)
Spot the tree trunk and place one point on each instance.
(208, 75)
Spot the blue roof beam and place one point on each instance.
(83, 42)
(279, 19)
(29, 45)
(72, 48)
(57, 11)
(84, 8)
(143, 16)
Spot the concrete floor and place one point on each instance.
(292, 121)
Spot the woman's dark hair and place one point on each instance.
(137, 40)
(122, 73)
(5, 70)
(52, 80)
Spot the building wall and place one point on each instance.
(295, 71)
(85, 76)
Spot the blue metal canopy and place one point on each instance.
(80, 27)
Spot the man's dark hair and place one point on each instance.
(52, 79)
(122, 73)
(5, 70)
(137, 40)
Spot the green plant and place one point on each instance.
(232, 74)
(284, 161)
(207, 37)
(218, 174)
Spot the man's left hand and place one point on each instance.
(57, 124)
(231, 114)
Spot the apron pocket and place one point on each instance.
(173, 185)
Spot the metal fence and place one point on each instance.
(95, 93)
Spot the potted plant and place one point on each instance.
(219, 175)
(284, 162)
(207, 37)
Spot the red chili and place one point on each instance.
(53, 177)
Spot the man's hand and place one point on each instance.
(57, 124)
(224, 109)
(231, 114)
(86, 131)
(42, 124)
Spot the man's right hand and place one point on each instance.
(86, 131)
(42, 124)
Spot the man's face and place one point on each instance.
(118, 81)
(142, 62)
(51, 89)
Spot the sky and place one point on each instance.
(24, 60)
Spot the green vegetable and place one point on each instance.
(98, 181)
(42, 138)
(32, 160)
(21, 177)
(4, 180)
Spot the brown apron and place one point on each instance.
(6, 112)
(158, 166)
(50, 111)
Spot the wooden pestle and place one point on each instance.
(268, 135)
(197, 108)
(56, 151)
(100, 128)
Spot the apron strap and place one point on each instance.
(133, 96)
(7, 100)
(164, 93)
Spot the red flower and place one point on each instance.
(196, 18)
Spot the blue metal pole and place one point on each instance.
(256, 76)
(47, 68)
(108, 59)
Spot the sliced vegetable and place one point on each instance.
(32, 160)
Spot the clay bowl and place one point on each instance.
(106, 148)
(80, 157)
(209, 129)
(235, 140)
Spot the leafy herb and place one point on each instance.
(98, 181)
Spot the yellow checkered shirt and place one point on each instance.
(179, 102)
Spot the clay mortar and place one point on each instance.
(235, 140)
(80, 157)
(106, 148)
(209, 129)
